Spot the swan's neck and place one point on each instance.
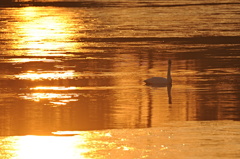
(169, 78)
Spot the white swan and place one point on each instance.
(161, 81)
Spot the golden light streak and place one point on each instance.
(24, 60)
(45, 33)
(56, 99)
(49, 75)
(65, 133)
(50, 147)
(64, 145)
(53, 88)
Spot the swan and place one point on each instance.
(161, 81)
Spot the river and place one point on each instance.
(79, 70)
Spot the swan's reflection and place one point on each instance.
(159, 105)
(169, 91)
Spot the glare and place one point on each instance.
(49, 147)
(65, 145)
(43, 75)
(24, 60)
(53, 88)
(44, 34)
(56, 99)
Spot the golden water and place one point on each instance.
(74, 69)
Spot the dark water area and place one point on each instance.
(107, 3)
(83, 67)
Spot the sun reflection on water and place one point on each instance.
(42, 33)
(46, 75)
(63, 145)
(24, 60)
(53, 88)
(49, 147)
(56, 99)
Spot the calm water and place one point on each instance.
(81, 68)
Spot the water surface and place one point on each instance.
(82, 68)
(167, 141)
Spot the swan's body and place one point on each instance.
(161, 81)
(156, 81)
